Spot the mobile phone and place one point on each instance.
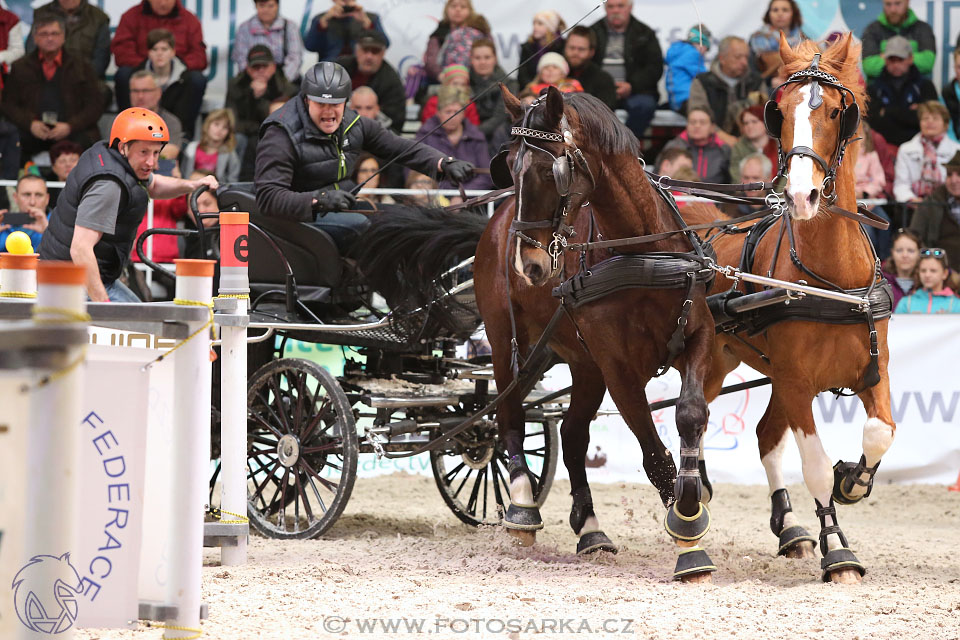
(17, 219)
(49, 118)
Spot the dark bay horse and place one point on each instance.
(618, 341)
(803, 358)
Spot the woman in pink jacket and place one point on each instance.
(872, 185)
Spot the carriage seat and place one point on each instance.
(311, 253)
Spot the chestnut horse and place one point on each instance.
(804, 358)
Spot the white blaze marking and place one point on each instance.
(800, 171)
(517, 260)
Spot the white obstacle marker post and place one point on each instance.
(232, 316)
(191, 442)
(18, 275)
(53, 446)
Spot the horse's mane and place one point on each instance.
(840, 59)
(601, 127)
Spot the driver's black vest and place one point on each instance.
(325, 161)
(99, 162)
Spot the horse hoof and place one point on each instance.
(846, 576)
(697, 578)
(593, 541)
(523, 517)
(693, 563)
(800, 551)
(523, 538)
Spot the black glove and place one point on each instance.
(458, 171)
(328, 201)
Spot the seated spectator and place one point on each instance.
(898, 19)
(279, 35)
(895, 93)
(755, 167)
(918, 170)
(335, 32)
(545, 37)
(630, 52)
(684, 61)
(951, 95)
(728, 88)
(485, 73)
(456, 138)
(872, 184)
(711, 157)
(671, 160)
(168, 70)
(63, 158)
(367, 68)
(931, 293)
(454, 75)
(552, 70)
(423, 185)
(753, 139)
(578, 51)
(11, 41)
(937, 220)
(31, 198)
(781, 15)
(900, 268)
(364, 102)
(456, 49)
(52, 95)
(129, 47)
(366, 173)
(88, 31)
(250, 95)
(455, 15)
(145, 93)
(215, 153)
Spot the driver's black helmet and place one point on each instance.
(327, 82)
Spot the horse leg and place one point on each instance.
(723, 361)
(585, 399)
(839, 564)
(853, 482)
(794, 540)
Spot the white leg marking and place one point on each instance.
(773, 465)
(800, 171)
(818, 476)
(877, 438)
(521, 492)
(590, 524)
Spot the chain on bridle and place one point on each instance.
(849, 122)
(563, 170)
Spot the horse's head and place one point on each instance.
(814, 117)
(553, 178)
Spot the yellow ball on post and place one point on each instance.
(19, 243)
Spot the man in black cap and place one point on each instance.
(308, 149)
(367, 68)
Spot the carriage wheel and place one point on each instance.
(301, 449)
(473, 478)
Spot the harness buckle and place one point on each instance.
(557, 245)
(874, 347)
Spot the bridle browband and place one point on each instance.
(564, 170)
(849, 122)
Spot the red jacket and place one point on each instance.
(129, 44)
(166, 213)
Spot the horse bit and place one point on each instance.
(563, 174)
(849, 122)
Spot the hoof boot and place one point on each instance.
(792, 536)
(685, 528)
(593, 541)
(691, 561)
(523, 517)
(842, 558)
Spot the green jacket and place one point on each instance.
(917, 31)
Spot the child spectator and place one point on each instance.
(454, 75)
(365, 172)
(457, 138)
(547, 27)
(931, 294)
(456, 48)
(711, 157)
(552, 70)
(215, 152)
(455, 15)
(684, 60)
(900, 268)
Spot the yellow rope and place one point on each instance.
(209, 324)
(216, 514)
(156, 625)
(238, 296)
(17, 294)
(63, 315)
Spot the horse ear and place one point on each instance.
(512, 104)
(786, 51)
(554, 106)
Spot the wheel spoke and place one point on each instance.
(278, 397)
(263, 422)
(302, 493)
(327, 484)
(448, 478)
(506, 485)
(263, 485)
(475, 492)
(326, 447)
(465, 478)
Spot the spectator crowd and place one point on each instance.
(54, 91)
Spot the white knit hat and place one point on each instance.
(550, 18)
(555, 59)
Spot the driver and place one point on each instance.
(95, 221)
(308, 147)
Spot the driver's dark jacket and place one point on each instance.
(295, 159)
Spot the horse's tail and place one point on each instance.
(406, 248)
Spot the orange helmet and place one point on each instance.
(137, 123)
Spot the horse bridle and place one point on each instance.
(564, 169)
(849, 122)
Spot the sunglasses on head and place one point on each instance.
(933, 253)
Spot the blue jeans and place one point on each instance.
(344, 228)
(119, 292)
(640, 109)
